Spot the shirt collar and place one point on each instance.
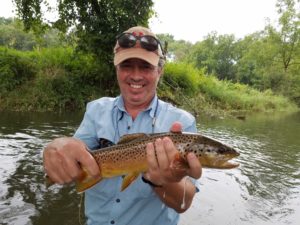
(119, 103)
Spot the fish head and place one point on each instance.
(212, 153)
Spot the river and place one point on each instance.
(264, 190)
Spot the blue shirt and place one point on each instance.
(138, 204)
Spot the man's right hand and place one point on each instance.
(64, 157)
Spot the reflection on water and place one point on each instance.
(264, 190)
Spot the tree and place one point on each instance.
(95, 22)
(12, 35)
(216, 53)
(287, 38)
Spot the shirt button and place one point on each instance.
(112, 222)
(118, 200)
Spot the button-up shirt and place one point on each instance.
(106, 118)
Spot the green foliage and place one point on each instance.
(15, 70)
(74, 77)
(12, 35)
(216, 54)
(181, 76)
(176, 50)
(231, 97)
(186, 86)
(95, 23)
(63, 79)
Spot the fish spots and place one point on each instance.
(132, 154)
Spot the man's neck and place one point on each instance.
(133, 111)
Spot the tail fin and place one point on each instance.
(86, 181)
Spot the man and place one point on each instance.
(159, 194)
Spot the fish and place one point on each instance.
(128, 157)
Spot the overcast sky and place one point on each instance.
(191, 20)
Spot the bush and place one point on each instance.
(181, 76)
(14, 70)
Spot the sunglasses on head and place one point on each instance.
(128, 40)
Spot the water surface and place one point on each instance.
(264, 190)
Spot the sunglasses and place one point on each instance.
(128, 40)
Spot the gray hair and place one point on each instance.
(161, 62)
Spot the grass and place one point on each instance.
(62, 79)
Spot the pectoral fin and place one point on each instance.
(86, 181)
(128, 179)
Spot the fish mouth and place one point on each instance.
(221, 161)
(228, 165)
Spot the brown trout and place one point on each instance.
(128, 157)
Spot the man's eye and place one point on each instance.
(146, 66)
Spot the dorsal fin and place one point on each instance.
(131, 137)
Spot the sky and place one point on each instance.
(192, 20)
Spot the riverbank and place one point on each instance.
(61, 79)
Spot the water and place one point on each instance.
(264, 190)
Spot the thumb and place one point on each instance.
(176, 127)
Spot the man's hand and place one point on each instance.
(64, 157)
(160, 156)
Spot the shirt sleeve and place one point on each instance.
(86, 132)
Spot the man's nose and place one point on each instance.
(136, 71)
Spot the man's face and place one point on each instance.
(137, 81)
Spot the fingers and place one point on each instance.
(158, 162)
(151, 157)
(159, 158)
(195, 169)
(64, 157)
(55, 173)
(169, 148)
(162, 156)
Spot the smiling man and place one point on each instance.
(158, 195)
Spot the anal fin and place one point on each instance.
(128, 179)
